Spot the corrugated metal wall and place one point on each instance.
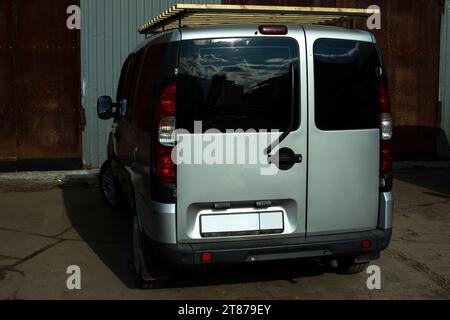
(444, 139)
(108, 34)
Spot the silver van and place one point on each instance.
(321, 190)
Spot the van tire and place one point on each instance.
(110, 188)
(142, 271)
(348, 266)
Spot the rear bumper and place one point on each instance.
(321, 247)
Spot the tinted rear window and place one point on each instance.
(346, 78)
(243, 83)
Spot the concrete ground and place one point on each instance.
(48, 225)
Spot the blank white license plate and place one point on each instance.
(242, 223)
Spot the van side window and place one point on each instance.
(123, 75)
(130, 82)
(346, 79)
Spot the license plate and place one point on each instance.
(241, 224)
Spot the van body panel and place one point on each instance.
(200, 187)
(132, 137)
(343, 181)
(343, 167)
(157, 220)
(227, 31)
(263, 250)
(386, 220)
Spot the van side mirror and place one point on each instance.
(105, 108)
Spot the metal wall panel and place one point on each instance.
(409, 40)
(108, 34)
(444, 138)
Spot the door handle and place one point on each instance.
(296, 158)
(286, 159)
(117, 135)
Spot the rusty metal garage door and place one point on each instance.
(8, 141)
(40, 86)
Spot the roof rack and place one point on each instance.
(189, 15)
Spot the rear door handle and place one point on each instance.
(286, 159)
(297, 158)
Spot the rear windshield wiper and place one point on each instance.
(292, 116)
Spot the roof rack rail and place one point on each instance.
(190, 15)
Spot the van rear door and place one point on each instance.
(226, 188)
(344, 135)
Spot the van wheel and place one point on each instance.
(348, 266)
(110, 187)
(140, 266)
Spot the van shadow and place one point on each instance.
(290, 271)
(423, 169)
(108, 234)
(436, 180)
(105, 231)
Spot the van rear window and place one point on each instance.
(346, 78)
(243, 83)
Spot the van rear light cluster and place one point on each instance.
(387, 131)
(165, 124)
(387, 128)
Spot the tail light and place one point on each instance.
(164, 127)
(366, 244)
(386, 156)
(206, 257)
(387, 131)
(386, 125)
